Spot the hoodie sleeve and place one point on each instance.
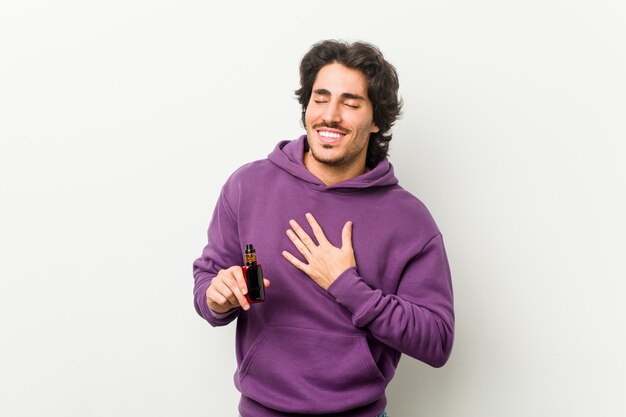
(218, 254)
(419, 319)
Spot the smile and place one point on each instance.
(329, 137)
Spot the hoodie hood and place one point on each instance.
(289, 156)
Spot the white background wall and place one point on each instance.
(120, 120)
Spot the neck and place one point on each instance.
(331, 175)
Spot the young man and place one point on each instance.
(358, 269)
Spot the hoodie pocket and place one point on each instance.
(299, 370)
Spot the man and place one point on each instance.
(358, 269)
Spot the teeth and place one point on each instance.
(330, 135)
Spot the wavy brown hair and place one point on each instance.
(382, 86)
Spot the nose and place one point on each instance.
(332, 112)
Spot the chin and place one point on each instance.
(327, 157)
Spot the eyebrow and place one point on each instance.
(325, 92)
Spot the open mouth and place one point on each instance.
(330, 137)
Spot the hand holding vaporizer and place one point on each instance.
(237, 286)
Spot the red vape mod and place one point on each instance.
(253, 274)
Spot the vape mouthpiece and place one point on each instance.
(250, 254)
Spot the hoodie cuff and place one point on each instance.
(350, 291)
(223, 316)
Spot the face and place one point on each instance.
(339, 118)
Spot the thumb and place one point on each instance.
(346, 236)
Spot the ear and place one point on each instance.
(375, 129)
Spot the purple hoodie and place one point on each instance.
(309, 351)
